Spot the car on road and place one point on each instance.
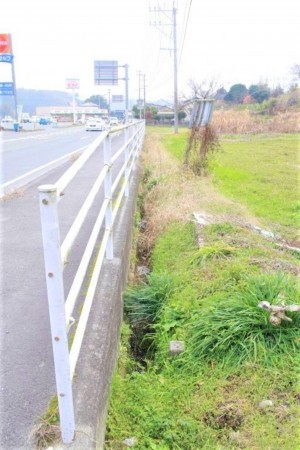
(113, 121)
(95, 125)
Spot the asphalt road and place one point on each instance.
(27, 379)
(24, 151)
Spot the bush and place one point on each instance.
(236, 330)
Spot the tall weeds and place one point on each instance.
(245, 122)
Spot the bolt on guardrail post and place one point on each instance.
(126, 156)
(108, 195)
(56, 302)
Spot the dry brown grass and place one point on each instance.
(44, 435)
(245, 122)
(13, 194)
(178, 194)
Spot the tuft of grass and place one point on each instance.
(214, 252)
(144, 302)
(235, 330)
(47, 429)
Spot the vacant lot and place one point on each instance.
(258, 171)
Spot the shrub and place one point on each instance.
(235, 329)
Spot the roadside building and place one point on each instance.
(66, 113)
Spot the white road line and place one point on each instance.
(41, 135)
(10, 186)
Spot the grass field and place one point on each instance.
(236, 385)
(263, 173)
(260, 171)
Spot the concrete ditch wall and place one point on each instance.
(100, 346)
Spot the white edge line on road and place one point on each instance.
(16, 183)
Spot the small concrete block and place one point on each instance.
(265, 404)
(142, 270)
(176, 347)
(130, 442)
(201, 219)
(235, 436)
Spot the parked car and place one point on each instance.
(8, 123)
(95, 125)
(44, 121)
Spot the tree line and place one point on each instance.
(255, 93)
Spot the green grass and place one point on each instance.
(235, 330)
(263, 174)
(260, 171)
(176, 143)
(144, 302)
(195, 401)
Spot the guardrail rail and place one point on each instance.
(56, 253)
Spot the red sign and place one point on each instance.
(5, 43)
(72, 83)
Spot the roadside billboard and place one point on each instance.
(106, 73)
(72, 83)
(6, 88)
(5, 43)
(117, 98)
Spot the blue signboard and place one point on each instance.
(106, 73)
(6, 89)
(6, 57)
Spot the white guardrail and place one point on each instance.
(55, 255)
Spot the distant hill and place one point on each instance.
(31, 98)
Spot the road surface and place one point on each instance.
(25, 151)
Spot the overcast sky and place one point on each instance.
(230, 41)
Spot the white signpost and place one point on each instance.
(73, 83)
(202, 112)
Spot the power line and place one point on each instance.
(185, 30)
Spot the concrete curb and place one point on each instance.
(100, 346)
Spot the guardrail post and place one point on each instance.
(56, 303)
(137, 133)
(127, 133)
(108, 195)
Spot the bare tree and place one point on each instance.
(296, 71)
(204, 89)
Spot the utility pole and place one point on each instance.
(74, 105)
(144, 96)
(126, 92)
(139, 100)
(175, 72)
(171, 22)
(109, 102)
